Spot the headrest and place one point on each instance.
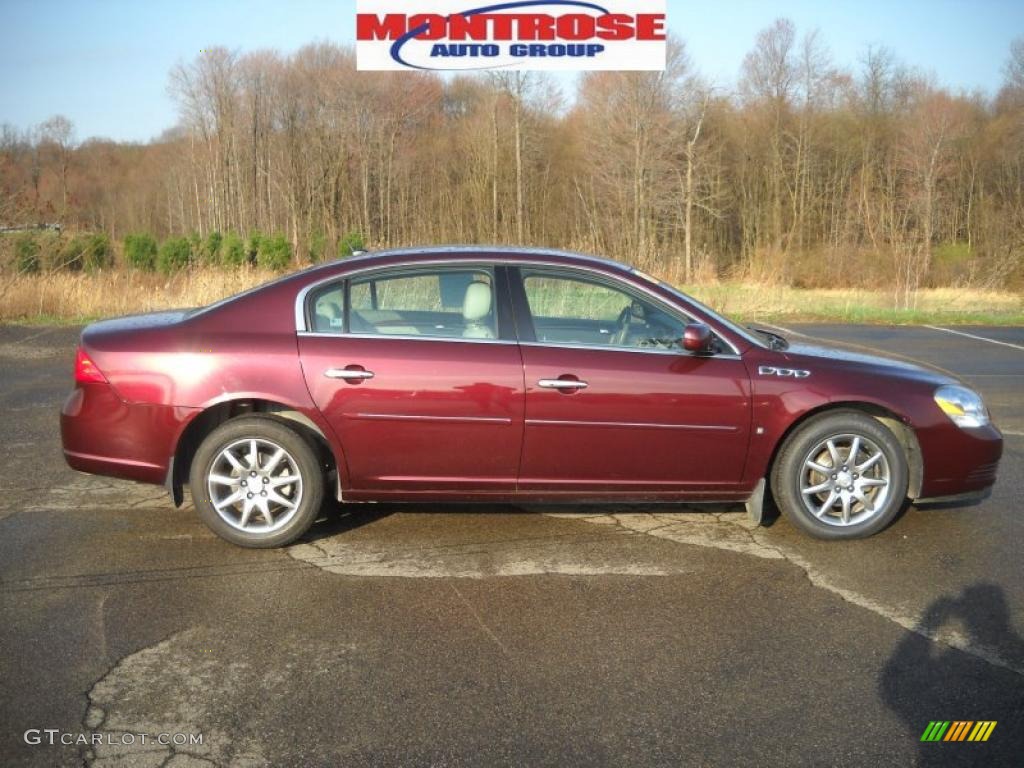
(477, 303)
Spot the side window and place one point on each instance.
(446, 303)
(570, 310)
(328, 309)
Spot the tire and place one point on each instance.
(267, 511)
(854, 501)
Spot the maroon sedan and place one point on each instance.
(483, 373)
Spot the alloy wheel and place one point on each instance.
(844, 480)
(255, 485)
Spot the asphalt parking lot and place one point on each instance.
(441, 635)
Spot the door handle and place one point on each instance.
(562, 384)
(348, 374)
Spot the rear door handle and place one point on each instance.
(562, 384)
(348, 374)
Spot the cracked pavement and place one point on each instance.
(502, 635)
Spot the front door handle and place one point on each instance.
(348, 374)
(562, 384)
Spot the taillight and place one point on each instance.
(86, 370)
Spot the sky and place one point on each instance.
(104, 63)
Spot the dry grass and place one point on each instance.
(76, 297)
(775, 302)
(71, 297)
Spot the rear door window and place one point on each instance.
(438, 302)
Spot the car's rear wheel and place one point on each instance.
(256, 482)
(842, 475)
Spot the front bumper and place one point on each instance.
(959, 461)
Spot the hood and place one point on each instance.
(886, 363)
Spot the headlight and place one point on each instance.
(962, 405)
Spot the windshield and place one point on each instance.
(739, 330)
(775, 340)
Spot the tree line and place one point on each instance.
(32, 252)
(803, 172)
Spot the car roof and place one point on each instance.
(432, 252)
(397, 257)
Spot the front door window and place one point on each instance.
(573, 310)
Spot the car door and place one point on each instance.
(410, 368)
(613, 403)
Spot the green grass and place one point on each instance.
(54, 320)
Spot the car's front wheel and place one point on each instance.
(841, 475)
(256, 482)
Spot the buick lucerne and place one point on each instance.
(508, 374)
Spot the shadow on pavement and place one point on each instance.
(924, 680)
(336, 519)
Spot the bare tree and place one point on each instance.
(926, 144)
(1011, 94)
(631, 130)
(60, 132)
(806, 173)
(768, 84)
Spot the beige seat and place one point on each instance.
(382, 321)
(328, 317)
(476, 310)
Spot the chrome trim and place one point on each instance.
(628, 424)
(562, 384)
(771, 370)
(448, 419)
(300, 298)
(347, 374)
(510, 342)
(642, 350)
(403, 337)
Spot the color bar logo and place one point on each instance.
(464, 35)
(958, 730)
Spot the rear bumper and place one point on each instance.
(103, 435)
(113, 466)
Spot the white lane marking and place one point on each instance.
(1012, 433)
(979, 338)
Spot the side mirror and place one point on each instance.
(696, 338)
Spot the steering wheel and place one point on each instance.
(621, 334)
